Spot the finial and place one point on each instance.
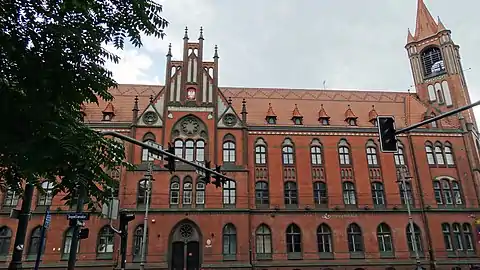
(151, 98)
(136, 99)
(296, 106)
(270, 105)
(244, 106)
(135, 104)
(201, 33)
(216, 52)
(169, 49)
(373, 107)
(186, 33)
(349, 106)
(321, 105)
(229, 101)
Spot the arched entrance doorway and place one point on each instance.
(185, 250)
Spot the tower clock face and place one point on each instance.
(191, 93)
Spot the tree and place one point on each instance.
(52, 59)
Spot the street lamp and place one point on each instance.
(148, 189)
(405, 176)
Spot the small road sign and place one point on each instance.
(78, 216)
(48, 219)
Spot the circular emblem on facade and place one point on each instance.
(229, 120)
(186, 231)
(190, 126)
(150, 118)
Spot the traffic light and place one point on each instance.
(388, 138)
(170, 160)
(219, 180)
(83, 233)
(207, 173)
(125, 218)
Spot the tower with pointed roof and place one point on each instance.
(436, 65)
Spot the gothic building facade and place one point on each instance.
(311, 189)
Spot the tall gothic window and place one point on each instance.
(399, 156)
(141, 192)
(384, 238)
(34, 244)
(263, 241)
(105, 241)
(67, 243)
(200, 193)
(229, 152)
(378, 194)
(415, 237)
(344, 152)
(5, 240)
(288, 152)
(10, 198)
(324, 239)
(447, 192)
(229, 240)
(138, 243)
(149, 139)
(316, 152)
(372, 157)
(355, 238)
(260, 152)
(187, 190)
(175, 191)
(294, 239)
(406, 193)
(320, 194)
(291, 195)
(349, 194)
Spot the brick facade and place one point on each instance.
(294, 155)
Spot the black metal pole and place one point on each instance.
(72, 256)
(438, 117)
(24, 216)
(42, 239)
(123, 247)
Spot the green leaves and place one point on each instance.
(52, 58)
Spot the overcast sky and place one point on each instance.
(351, 44)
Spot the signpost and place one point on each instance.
(46, 224)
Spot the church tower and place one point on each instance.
(436, 65)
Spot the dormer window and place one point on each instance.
(108, 112)
(374, 122)
(297, 117)
(323, 117)
(350, 117)
(352, 122)
(372, 116)
(325, 121)
(271, 117)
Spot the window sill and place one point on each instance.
(262, 206)
(357, 255)
(326, 255)
(387, 255)
(229, 206)
(230, 257)
(105, 256)
(294, 256)
(263, 257)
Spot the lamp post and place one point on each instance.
(404, 176)
(148, 188)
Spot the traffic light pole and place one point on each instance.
(436, 118)
(163, 152)
(72, 256)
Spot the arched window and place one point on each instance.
(415, 237)
(189, 150)
(149, 139)
(449, 154)
(67, 243)
(467, 234)
(316, 152)
(384, 238)
(200, 151)
(355, 238)
(434, 123)
(406, 193)
(263, 241)
(447, 237)
(229, 192)
(294, 239)
(138, 243)
(5, 240)
(290, 193)
(229, 152)
(430, 156)
(178, 145)
(200, 193)
(378, 194)
(324, 239)
(229, 240)
(175, 191)
(349, 194)
(287, 152)
(399, 156)
(344, 152)
(439, 154)
(260, 152)
(447, 192)
(320, 193)
(35, 239)
(10, 198)
(45, 198)
(105, 241)
(372, 157)
(187, 190)
(261, 193)
(432, 61)
(458, 237)
(141, 192)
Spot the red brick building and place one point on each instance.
(311, 189)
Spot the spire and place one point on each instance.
(216, 52)
(229, 101)
(135, 104)
(426, 25)
(441, 27)
(372, 115)
(151, 99)
(186, 33)
(201, 33)
(169, 53)
(410, 37)
(244, 111)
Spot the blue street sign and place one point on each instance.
(48, 219)
(78, 216)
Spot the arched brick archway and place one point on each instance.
(185, 249)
